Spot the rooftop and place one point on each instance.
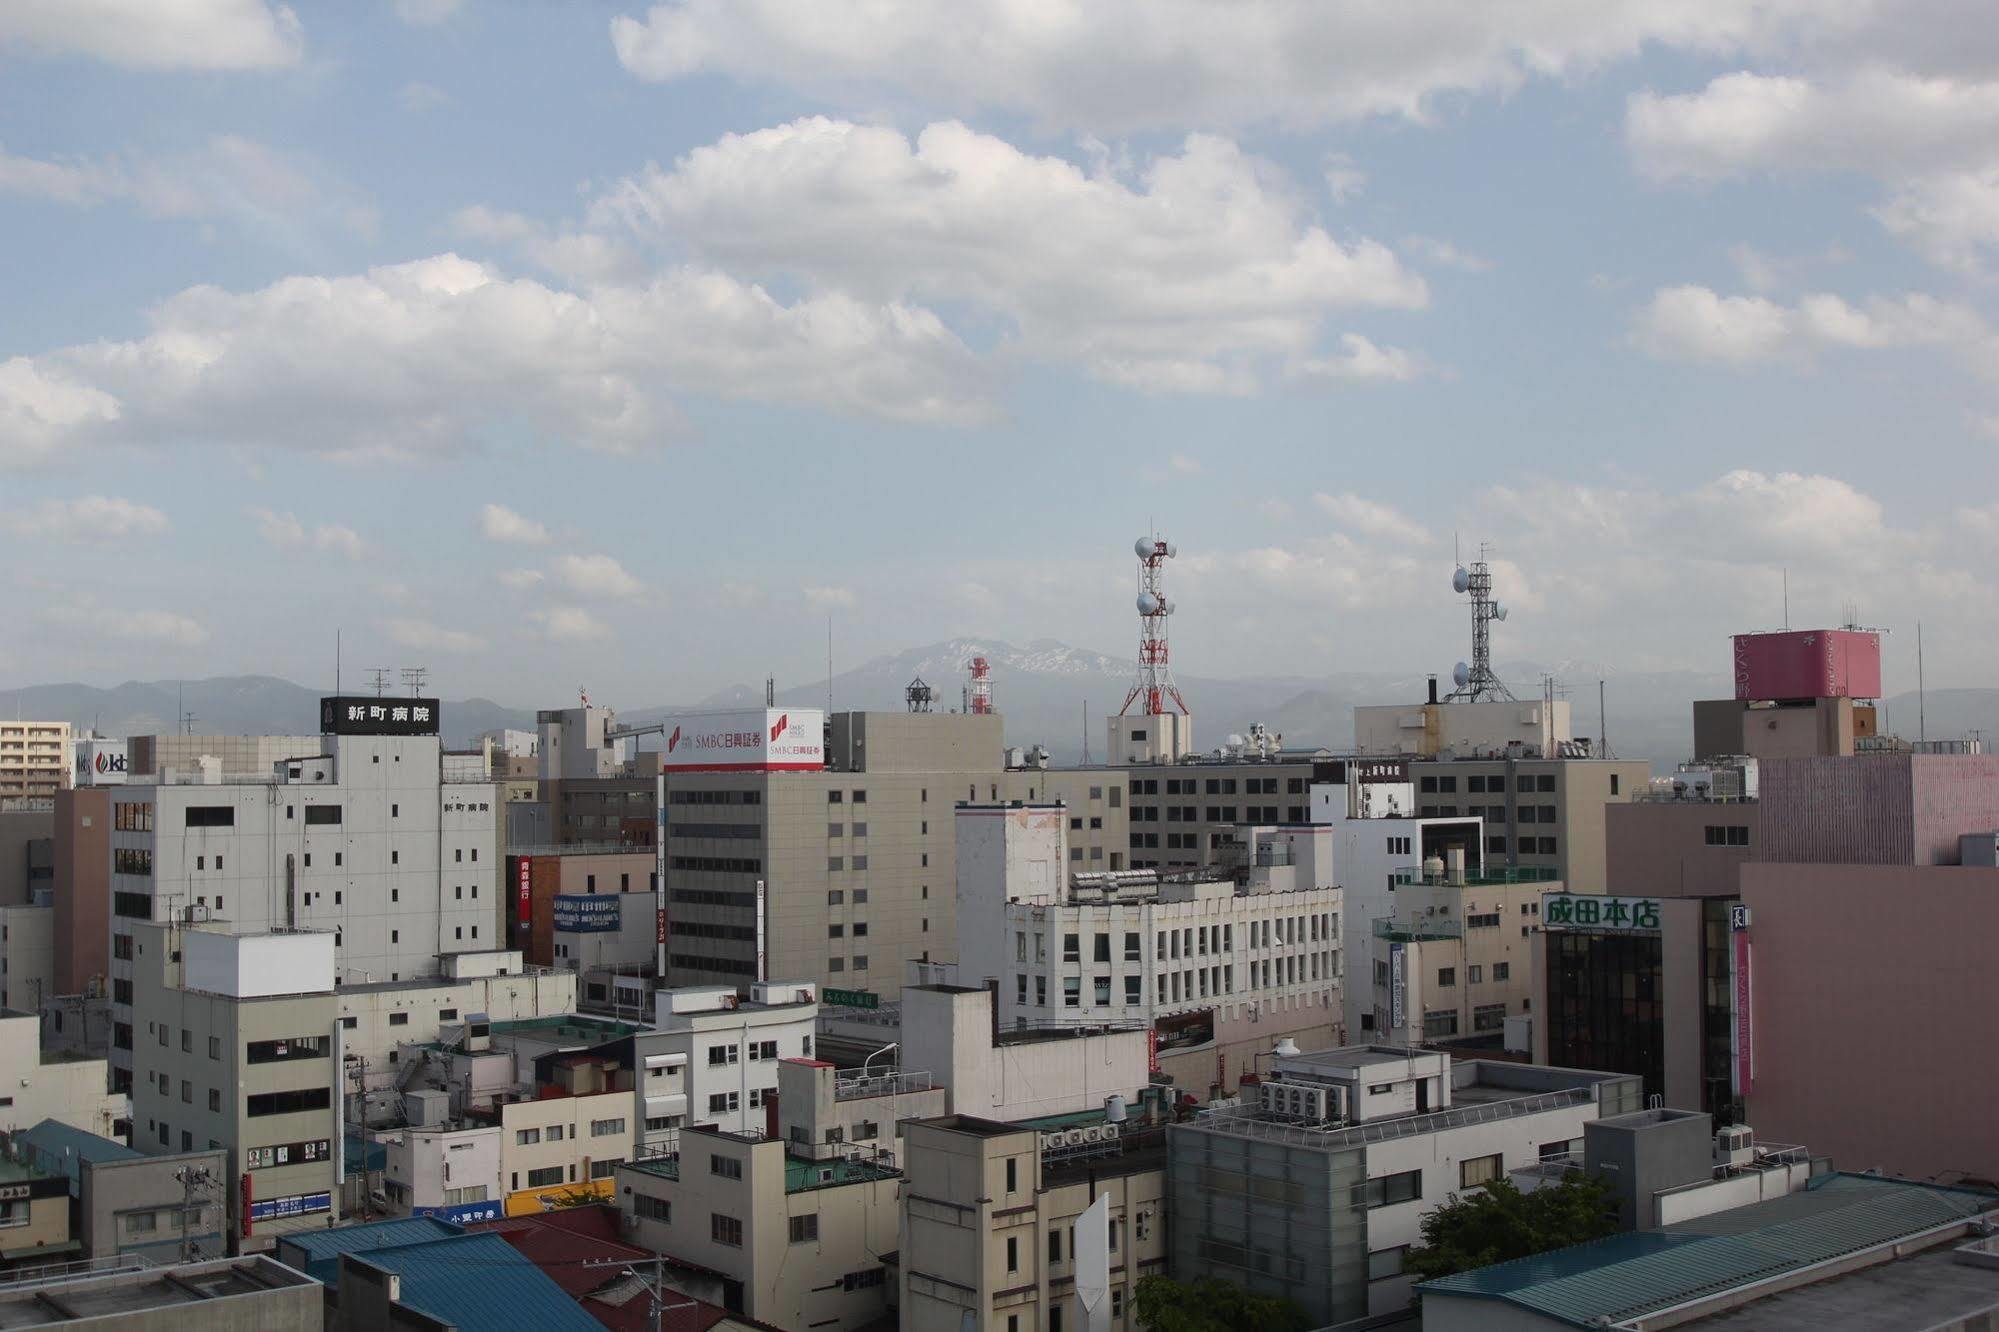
(133, 1294)
(1625, 1277)
(319, 1250)
(479, 1281)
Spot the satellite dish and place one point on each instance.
(1143, 548)
(1461, 580)
(1462, 674)
(1498, 610)
(1149, 603)
(1172, 551)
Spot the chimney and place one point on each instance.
(1433, 689)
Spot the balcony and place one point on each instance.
(1417, 931)
(1488, 878)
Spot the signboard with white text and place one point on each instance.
(100, 763)
(587, 913)
(348, 714)
(749, 740)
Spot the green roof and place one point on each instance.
(567, 1026)
(1074, 1119)
(1641, 1272)
(801, 1175)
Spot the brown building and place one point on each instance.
(82, 887)
(1724, 727)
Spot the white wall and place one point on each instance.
(256, 966)
(1018, 853)
(1464, 729)
(27, 956)
(429, 1163)
(949, 1034)
(71, 1092)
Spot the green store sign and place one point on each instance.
(1588, 911)
(849, 998)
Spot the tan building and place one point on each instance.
(797, 1231)
(992, 1215)
(34, 759)
(34, 1217)
(1457, 958)
(45, 1084)
(1539, 813)
(568, 1141)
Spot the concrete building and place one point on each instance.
(361, 835)
(717, 1055)
(1545, 814)
(822, 1107)
(82, 883)
(443, 1168)
(1007, 1227)
(153, 755)
(798, 1231)
(34, 1215)
(548, 880)
(238, 1051)
(1460, 729)
(49, 1084)
(1217, 970)
(1315, 1190)
(34, 759)
(1454, 962)
(950, 1032)
(125, 1202)
(250, 1294)
(27, 850)
(858, 855)
(27, 956)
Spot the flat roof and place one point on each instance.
(1932, 1288)
(127, 1293)
(1629, 1276)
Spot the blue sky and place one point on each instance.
(594, 343)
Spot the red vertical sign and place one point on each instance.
(526, 894)
(1152, 1050)
(246, 1203)
(1745, 1026)
(661, 914)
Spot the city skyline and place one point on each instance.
(666, 333)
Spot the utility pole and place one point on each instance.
(656, 1287)
(193, 1180)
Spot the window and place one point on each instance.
(399, 1019)
(805, 1229)
(271, 1052)
(544, 1177)
(604, 1128)
(1488, 1017)
(725, 1230)
(860, 961)
(1054, 1246)
(836, 931)
(289, 1102)
(1613, 783)
(1727, 835)
(1012, 1175)
(1385, 1263)
(1072, 992)
(1012, 1250)
(1502, 970)
(723, 1103)
(447, 1015)
(721, 1054)
(834, 863)
(555, 1132)
(728, 1167)
(350, 1022)
(1474, 974)
(1072, 949)
(1391, 1189)
(321, 815)
(1479, 1170)
(1441, 1022)
(526, 1137)
(1447, 977)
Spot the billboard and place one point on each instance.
(1808, 663)
(1362, 771)
(747, 740)
(524, 893)
(1184, 1031)
(1601, 912)
(1398, 986)
(346, 714)
(587, 914)
(100, 763)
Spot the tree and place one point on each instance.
(1498, 1222)
(1209, 1304)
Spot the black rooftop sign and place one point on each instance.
(370, 715)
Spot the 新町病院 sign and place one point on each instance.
(368, 715)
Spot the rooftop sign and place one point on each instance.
(369, 715)
(1590, 911)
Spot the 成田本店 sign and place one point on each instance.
(1590, 911)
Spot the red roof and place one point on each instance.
(567, 1243)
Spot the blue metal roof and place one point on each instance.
(480, 1281)
(1642, 1272)
(317, 1252)
(64, 1147)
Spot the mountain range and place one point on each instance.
(1042, 689)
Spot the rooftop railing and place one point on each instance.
(1248, 1122)
(1486, 878)
(894, 1083)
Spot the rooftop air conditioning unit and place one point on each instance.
(1734, 1144)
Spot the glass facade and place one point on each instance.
(1717, 1013)
(1605, 1006)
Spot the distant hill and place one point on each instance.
(1041, 689)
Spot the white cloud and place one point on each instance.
(86, 518)
(830, 598)
(597, 576)
(1359, 358)
(1188, 279)
(582, 256)
(157, 34)
(1344, 180)
(1183, 465)
(570, 624)
(499, 523)
(1951, 218)
(427, 637)
(153, 627)
(520, 580)
(1695, 323)
(433, 356)
(426, 13)
(1365, 517)
(417, 96)
(1172, 63)
(1445, 255)
(286, 531)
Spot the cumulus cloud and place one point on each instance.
(583, 256)
(1365, 517)
(431, 356)
(1358, 358)
(85, 518)
(285, 530)
(1117, 68)
(1696, 323)
(830, 598)
(499, 523)
(427, 637)
(157, 34)
(1445, 255)
(570, 624)
(152, 627)
(1186, 277)
(521, 580)
(597, 576)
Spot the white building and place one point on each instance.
(947, 1033)
(1315, 1189)
(430, 1167)
(365, 839)
(381, 1016)
(27, 956)
(1463, 730)
(1216, 968)
(54, 1086)
(726, 1051)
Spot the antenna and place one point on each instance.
(381, 676)
(919, 696)
(979, 692)
(336, 662)
(414, 676)
(1602, 723)
(1475, 679)
(770, 691)
(829, 668)
(1922, 707)
(1155, 675)
(1787, 600)
(1086, 732)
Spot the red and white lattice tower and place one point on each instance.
(1155, 676)
(979, 694)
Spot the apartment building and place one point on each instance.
(379, 1018)
(237, 1050)
(855, 840)
(1315, 1189)
(798, 1232)
(1011, 1227)
(51, 1084)
(717, 1055)
(34, 759)
(368, 839)
(1455, 960)
(1217, 970)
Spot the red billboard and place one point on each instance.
(1808, 663)
(526, 892)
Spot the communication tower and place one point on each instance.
(919, 696)
(979, 692)
(1155, 675)
(1475, 680)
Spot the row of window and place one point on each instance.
(714, 798)
(747, 832)
(1446, 783)
(1730, 834)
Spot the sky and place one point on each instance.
(620, 347)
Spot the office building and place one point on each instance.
(230, 1294)
(34, 759)
(367, 837)
(160, 1208)
(717, 1055)
(544, 882)
(1454, 961)
(854, 839)
(236, 1050)
(1216, 969)
(1314, 1189)
(1011, 1226)
(47, 1083)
